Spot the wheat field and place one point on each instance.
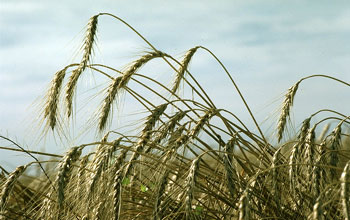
(188, 158)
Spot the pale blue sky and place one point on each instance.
(266, 45)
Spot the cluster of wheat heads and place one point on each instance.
(189, 160)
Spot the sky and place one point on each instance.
(267, 46)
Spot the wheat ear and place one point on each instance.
(81, 190)
(183, 67)
(136, 65)
(107, 102)
(200, 123)
(310, 152)
(145, 136)
(65, 168)
(8, 186)
(157, 211)
(117, 193)
(319, 175)
(51, 105)
(120, 83)
(102, 163)
(228, 165)
(345, 190)
(276, 161)
(153, 118)
(73, 79)
(190, 185)
(287, 104)
(117, 182)
(170, 126)
(293, 168)
(334, 146)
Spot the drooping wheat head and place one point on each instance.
(158, 212)
(64, 170)
(334, 148)
(183, 68)
(8, 186)
(287, 104)
(190, 186)
(52, 101)
(229, 167)
(88, 47)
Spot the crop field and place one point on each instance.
(186, 159)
